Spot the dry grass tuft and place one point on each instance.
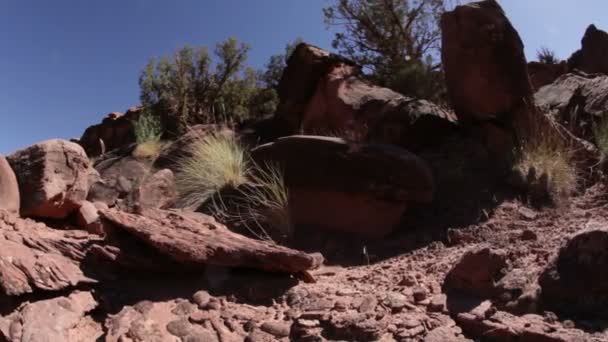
(148, 150)
(217, 162)
(546, 163)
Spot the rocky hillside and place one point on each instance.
(403, 220)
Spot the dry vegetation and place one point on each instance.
(148, 132)
(257, 196)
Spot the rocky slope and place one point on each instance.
(407, 228)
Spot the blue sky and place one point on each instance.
(65, 64)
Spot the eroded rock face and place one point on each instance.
(53, 178)
(354, 188)
(325, 94)
(576, 281)
(477, 272)
(157, 191)
(593, 55)
(197, 240)
(484, 62)
(36, 257)
(9, 188)
(116, 130)
(577, 101)
(57, 319)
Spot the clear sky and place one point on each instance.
(64, 64)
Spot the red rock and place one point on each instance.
(542, 74)
(325, 94)
(115, 131)
(35, 257)
(198, 240)
(484, 62)
(9, 188)
(57, 319)
(53, 178)
(593, 55)
(576, 282)
(357, 188)
(157, 191)
(477, 272)
(88, 219)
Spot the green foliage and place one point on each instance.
(547, 56)
(191, 88)
(396, 41)
(147, 128)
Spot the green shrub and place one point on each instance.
(148, 132)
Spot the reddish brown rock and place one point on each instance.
(53, 178)
(9, 188)
(576, 281)
(593, 55)
(477, 272)
(157, 191)
(325, 94)
(486, 323)
(542, 74)
(57, 319)
(88, 219)
(115, 131)
(198, 240)
(484, 62)
(36, 257)
(356, 188)
(576, 100)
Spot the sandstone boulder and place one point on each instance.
(360, 188)
(57, 319)
(157, 191)
(87, 218)
(576, 100)
(593, 55)
(325, 94)
(9, 188)
(116, 130)
(484, 62)
(53, 178)
(576, 281)
(197, 240)
(35, 257)
(542, 74)
(477, 272)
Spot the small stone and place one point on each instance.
(183, 309)
(276, 328)
(408, 280)
(438, 303)
(395, 301)
(550, 317)
(201, 298)
(199, 316)
(568, 324)
(419, 293)
(527, 214)
(341, 306)
(529, 235)
(213, 304)
(250, 325)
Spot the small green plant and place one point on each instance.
(148, 132)
(216, 162)
(600, 132)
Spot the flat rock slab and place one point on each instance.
(36, 257)
(197, 239)
(57, 319)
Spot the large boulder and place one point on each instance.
(198, 240)
(361, 188)
(593, 55)
(34, 257)
(576, 281)
(157, 191)
(9, 188)
(115, 130)
(576, 100)
(477, 272)
(56, 319)
(321, 93)
(542, 74)
(53, 178)
(484, 62)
